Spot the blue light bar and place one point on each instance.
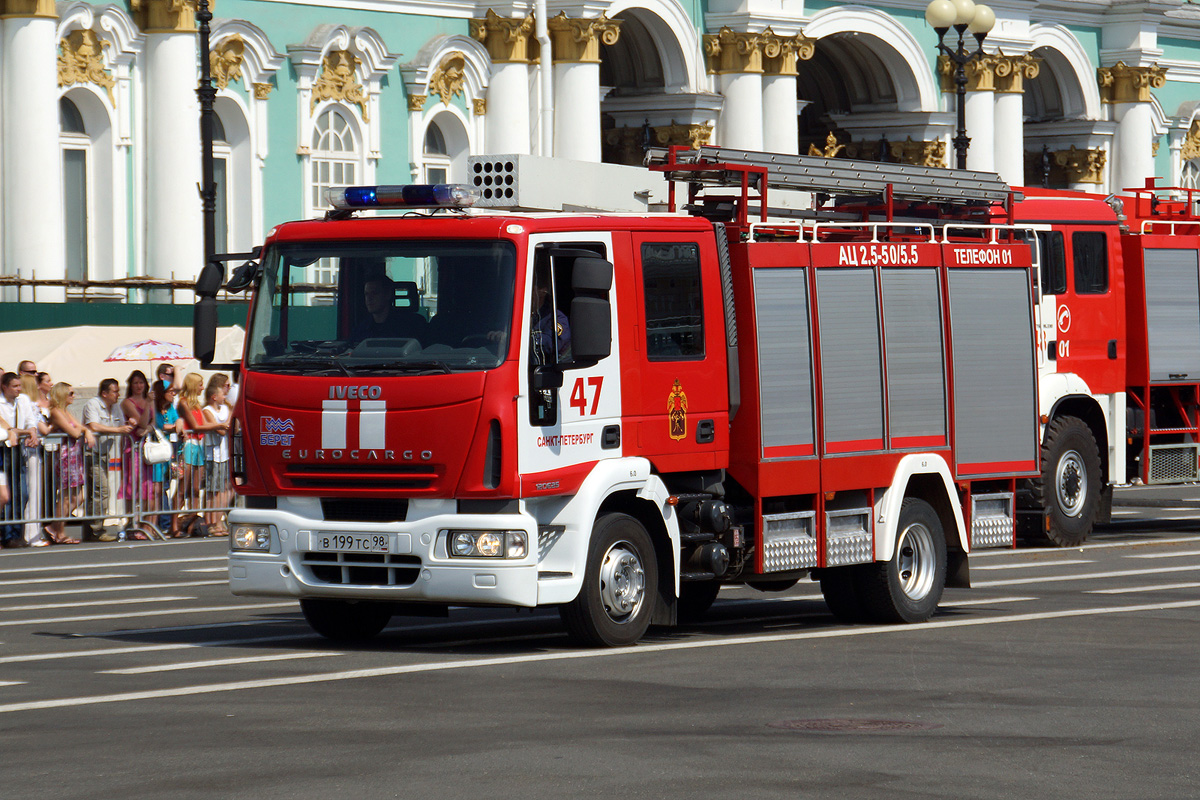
(433, 195)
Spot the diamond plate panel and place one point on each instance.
(992, 520)
(848, 537)
(788, 541)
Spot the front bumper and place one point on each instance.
(416, 568)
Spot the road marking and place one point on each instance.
(176, 628)
(207, 569)
(123, 601)
(155, 613)
(95, 589)
(71, 578)
(1034, 564)
(13, 683)
(1160, 587)
(1085, 577)
(219, 662)
(986, 601)
(993, 552)
(1172, 554)
(637, 650)
(109, 565)
(26, 658)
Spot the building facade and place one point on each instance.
(100, 142)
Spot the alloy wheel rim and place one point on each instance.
(622, 582)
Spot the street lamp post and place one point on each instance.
(962, 15)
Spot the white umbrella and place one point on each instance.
(150, 350)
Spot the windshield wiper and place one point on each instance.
(299, 362)
(406, 366)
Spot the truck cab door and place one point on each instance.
(1089, 314)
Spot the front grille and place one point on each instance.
(361, 476)
(363, 510)
(361, 569)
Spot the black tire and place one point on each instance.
(840, 588)
(346, 620)
(1069, 487)
(908, 586)
(695, 598)
(620, 585)
(781, 585)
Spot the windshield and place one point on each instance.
(402, 307)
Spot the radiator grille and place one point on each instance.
(361, 569)
(1174, 463)
(363, 510)
(354, 476)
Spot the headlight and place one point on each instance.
(488, 544)
(251, 537)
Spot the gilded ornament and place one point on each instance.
(1082, 166)
(780, 53)
(262, 90)
(479, 106)
(165, 16)
(831, 149)
(416, 102)
(449, 77)
(1012, 71)
(80, 60)
(337, 81)
(577, 41)
(28, 8)
(506, 40)
(1191, 142)
(919, 153)
(729, 51)
(1121, 83)
(225, 61)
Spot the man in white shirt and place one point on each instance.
(102, 415)
(20, 426)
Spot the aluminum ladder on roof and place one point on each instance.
(839, 177)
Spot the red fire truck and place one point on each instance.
(617, 414)
(1118, 351)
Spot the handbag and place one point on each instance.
(155, 448)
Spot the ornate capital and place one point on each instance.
(1124, 84)
(921, 154)
(28, 8)
(479, 106)
(416, 102)
(262, 90)
(625, 145)
(225, 61)
(449, 77)
(1011, 72)
(337, 81)
(506, 40)
(980, 72)
(577, 41)
(780, 53)
(1191, 142)
(1081, 166)
(728, 51)
(165, 16)
(80, 60)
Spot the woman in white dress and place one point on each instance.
(217, 485)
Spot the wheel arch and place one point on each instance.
(1087, 410)
(926, 477)
(644, 506)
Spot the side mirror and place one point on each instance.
(591, 315)
(204, 330)
(243, 277)
(210, 280)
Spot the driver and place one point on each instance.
(383, 320)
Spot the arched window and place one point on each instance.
(436, 156)
(76, 156)
(1189, 174)
(222, 155)
(335, 163)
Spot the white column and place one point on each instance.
(1134, 145)
(1009, 145)
(174, 223)
(32, 177)
(741, 122)
(981, 127)
(780, 118)
(507, 118)
(577, 110)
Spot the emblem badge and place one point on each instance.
(677, 411)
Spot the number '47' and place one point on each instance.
(579, 394)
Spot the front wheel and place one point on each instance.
(346, 620)
(616, 601)
(908, 587)
(1069, 487)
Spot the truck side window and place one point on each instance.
(674, 310)
(1054, 262)
(1091, 262)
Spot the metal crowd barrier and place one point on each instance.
(62, 488)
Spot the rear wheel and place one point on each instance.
(839, 586)
(908, 587)
(616, 601)
(346, 620)
(1069, 487)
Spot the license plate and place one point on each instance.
(352, 542)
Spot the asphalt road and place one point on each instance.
(128, 671)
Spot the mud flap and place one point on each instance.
(958, 573)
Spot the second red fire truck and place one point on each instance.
(617, 414)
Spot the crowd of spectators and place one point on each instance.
(57, 468)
